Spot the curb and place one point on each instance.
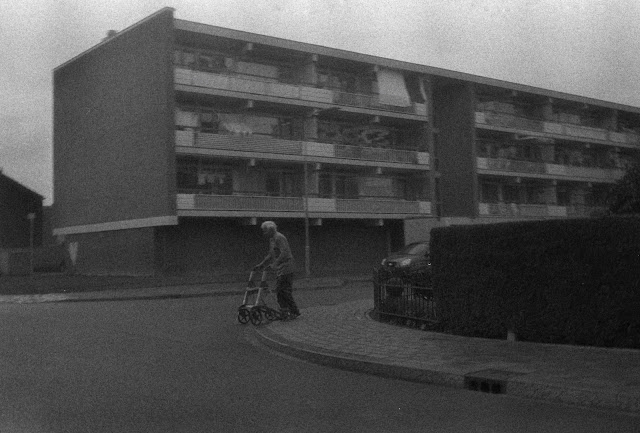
(485, 381)
(357, 363)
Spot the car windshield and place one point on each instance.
(415, 249)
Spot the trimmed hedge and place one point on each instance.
(565, 281)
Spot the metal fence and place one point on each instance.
(396, 299)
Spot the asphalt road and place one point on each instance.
(186, 365)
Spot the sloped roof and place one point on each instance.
(18, 185)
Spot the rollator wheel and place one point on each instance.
(270, 314)
(243, 315)
(255, 316)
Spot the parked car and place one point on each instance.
(411, 266)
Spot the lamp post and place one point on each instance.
(307, 248)
(31, 217)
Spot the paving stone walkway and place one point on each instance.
(345, 336)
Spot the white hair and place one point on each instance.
(269, 225)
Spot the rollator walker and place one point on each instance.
(254, 307)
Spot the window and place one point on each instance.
(335, 185)
(286, 75)
(203, 177)
(261, 125)
(354, 134)
(490, 193)
(346, 187)
(184, 58)
(563, 195)
(510, 194)
(209, 122)
(339, 80)
(325, 186)
(187, 175)
(216, 181)
(273, 184)
(283, 184)
(534, 194)
(211, 62)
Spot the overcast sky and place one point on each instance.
(586, 47)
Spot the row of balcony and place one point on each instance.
(366, 207)
(305, 150)
(513, 210)
(296, 205)
(258, 86)
(511, 121)
(548, 170)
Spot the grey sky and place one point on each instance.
(586, 47)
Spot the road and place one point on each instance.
(186, 365)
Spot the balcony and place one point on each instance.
(511, 121)
(257, 205)
(300, 150)
(548, 170)
(513, 210)
(259, 86)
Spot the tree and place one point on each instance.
(624, 197)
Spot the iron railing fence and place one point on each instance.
(413, 305)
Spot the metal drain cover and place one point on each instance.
(490, 381)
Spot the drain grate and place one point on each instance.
(489, 381)
(484, 385)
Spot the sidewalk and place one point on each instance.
(344, 336)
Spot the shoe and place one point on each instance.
(294, 316)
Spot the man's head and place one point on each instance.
(269, 228)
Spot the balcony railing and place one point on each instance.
(380, 154)
(239, 203)
(258, 86)
(502, 164)
(511, 121)
(555, 170)
(267, 144)
(513, 210)
(258, 203)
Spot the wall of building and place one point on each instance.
(114, 152)
(225, 247)
(116, 252)
(455, 150)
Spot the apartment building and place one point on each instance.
(174, 140)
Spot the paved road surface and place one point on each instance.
(185, 365)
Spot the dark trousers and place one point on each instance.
(284, 293)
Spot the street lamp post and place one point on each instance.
(307, 248)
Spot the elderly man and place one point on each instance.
(281, 261)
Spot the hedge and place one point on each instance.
(562, 281)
